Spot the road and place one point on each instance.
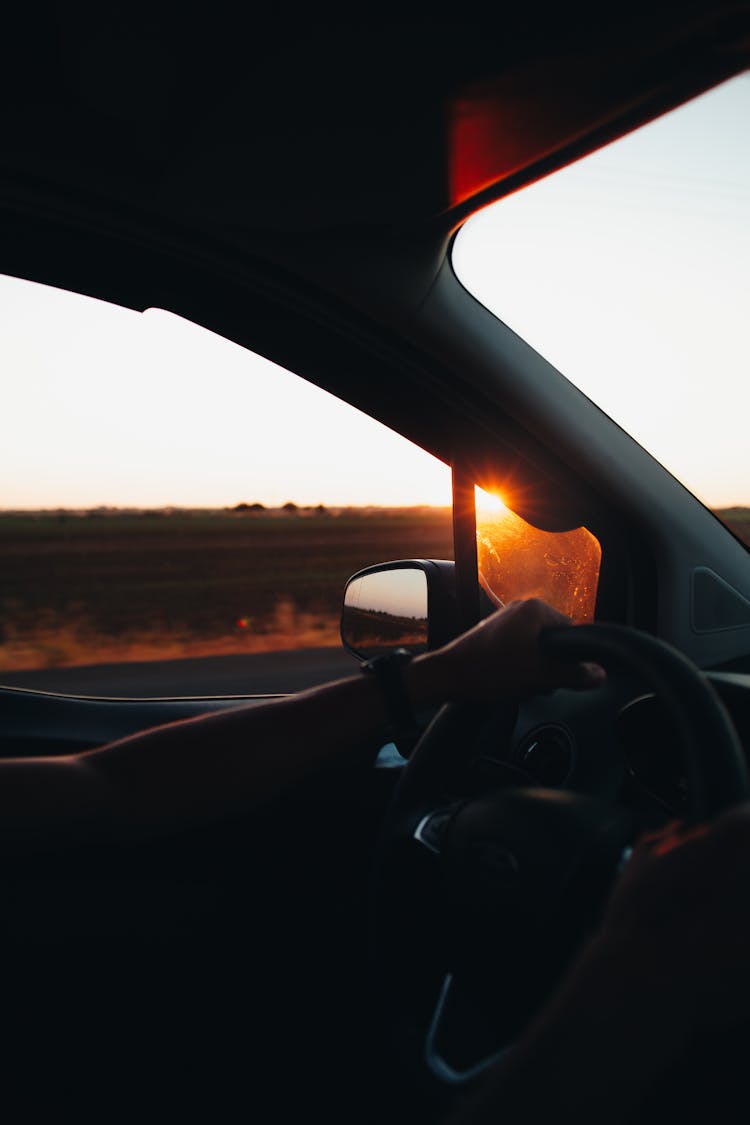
(253, 674)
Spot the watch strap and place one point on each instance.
(388, 671)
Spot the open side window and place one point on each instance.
(183, 514)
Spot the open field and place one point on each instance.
(112, 587)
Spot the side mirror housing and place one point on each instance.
(406, 604)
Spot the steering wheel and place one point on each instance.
(482, 894)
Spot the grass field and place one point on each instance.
(109, 587)
(738, 520)
(112, 587)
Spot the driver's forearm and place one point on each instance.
(230, 760)
(211, 766)
(190, 771)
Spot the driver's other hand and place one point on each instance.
(501, 657)
(681, 911)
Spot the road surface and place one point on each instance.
(252, 674)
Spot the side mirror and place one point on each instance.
(407, 604)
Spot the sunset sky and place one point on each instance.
(630, 271)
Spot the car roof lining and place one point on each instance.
(288, 122)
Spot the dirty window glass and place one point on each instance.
(517, 560)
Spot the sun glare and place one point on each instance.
(490, 502)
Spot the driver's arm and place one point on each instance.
(197, 769)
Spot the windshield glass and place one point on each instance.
(630, 272)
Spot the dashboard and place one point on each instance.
(618, 743)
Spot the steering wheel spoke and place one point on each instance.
(432, 827)
(456, 1071)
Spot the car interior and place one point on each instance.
(294, 183)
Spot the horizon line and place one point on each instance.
(258, 506)
(288, 505)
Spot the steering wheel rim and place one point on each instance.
(715, 782)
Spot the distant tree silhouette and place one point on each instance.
(243, 507)
(290, 506)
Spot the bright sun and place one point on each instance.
(490, 502)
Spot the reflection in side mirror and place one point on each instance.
(385, 609)
(406, 604)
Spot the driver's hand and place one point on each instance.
(681, 910)
(669, 961)
(501, 658)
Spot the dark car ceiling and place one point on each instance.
(286, 120)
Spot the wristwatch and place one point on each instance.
(388, 671)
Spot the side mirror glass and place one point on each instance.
(385, 610)
(408, 604)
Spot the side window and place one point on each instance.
(180, 515)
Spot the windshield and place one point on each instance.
(630, 272)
